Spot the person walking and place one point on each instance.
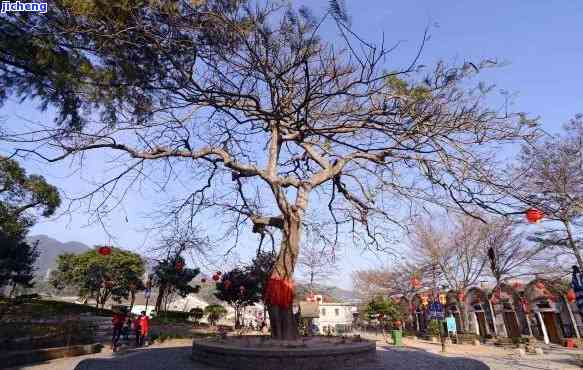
(144, 326)
(118, 321)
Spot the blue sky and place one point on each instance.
(541, 40)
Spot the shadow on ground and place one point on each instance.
(179, 358)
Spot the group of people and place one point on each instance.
(124, 322)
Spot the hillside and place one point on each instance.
(49, 249)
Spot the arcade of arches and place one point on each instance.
(539, 308)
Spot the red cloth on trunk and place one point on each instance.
(279, 291)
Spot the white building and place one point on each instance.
(335, 316)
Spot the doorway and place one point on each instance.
(481, 317)
(511, 324)
(552, 327)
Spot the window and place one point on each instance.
(323, 312)
(337, 312)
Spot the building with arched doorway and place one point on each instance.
(509, 316)
(479, 312)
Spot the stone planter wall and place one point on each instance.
(339, 356)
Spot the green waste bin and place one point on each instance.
(397, 337)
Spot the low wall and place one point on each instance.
(19, 358)
(336, 356)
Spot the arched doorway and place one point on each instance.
(478, 312)
(506, 304)
(453, 308)
(544, 300)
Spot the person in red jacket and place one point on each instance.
(144, 326)
(117, 320)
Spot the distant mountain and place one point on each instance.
(49, 249)
(329, 292)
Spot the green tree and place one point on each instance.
(170, 276)
(196, 313)
(239, 288)
(20, 194)
(383, 309)
(97, 276)
(214, 312)
(17, 258)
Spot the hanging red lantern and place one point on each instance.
(179, 265)
(516, 285)
(227, 284)
(397, 323)
(571, 296)
(219, 273)
(104, 250)
(461, 296)
(424, 300)
(442, 298)
(203, 280)
(540, 285)
(109, 284)
(216, 277)
(534, 215)
(415, 283)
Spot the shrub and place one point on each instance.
(434, 328)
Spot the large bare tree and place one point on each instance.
(548, 176)
(274, 123)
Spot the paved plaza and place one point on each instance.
(414, 355)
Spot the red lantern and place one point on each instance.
(104, 250)
(219, 273)
(179, 265)
(540, 285)
(461, 296)
(442, 298)
(109, 284)
(216, 277)
(227, 284)
(534, 215)
(398, 323)
(571, 296)
(203, 280)
(424, 300)
(415, 283)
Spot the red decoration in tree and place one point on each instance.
(179, 265)
(279, 291)
(415, 283)
(534, 215)
(242, 289)
(109, 284)
(219, 273)
(203, 280)
(540, 285)
(571, 296)
(461, 296)
(397, 323)
(216, 277)
(227, 284)
(517, 285)
(104, 250)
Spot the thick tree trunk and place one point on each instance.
(283, 324)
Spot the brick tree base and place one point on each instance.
(259, 353)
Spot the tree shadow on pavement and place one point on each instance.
(397, 358)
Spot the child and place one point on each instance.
(137, 330)
(144, 326)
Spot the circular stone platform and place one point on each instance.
(263, 353)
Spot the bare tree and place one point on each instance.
(388, 281)
(316, 263)
(280, 118)
(548, 175)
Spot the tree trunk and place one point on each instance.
(161, 292)
(283, 325)
(133, 293)
(572, 244)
